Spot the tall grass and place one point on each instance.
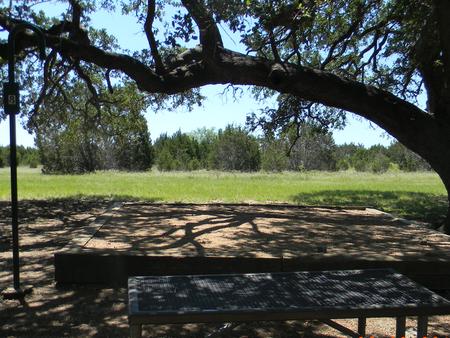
(420, 195)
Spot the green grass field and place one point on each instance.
(419, 196)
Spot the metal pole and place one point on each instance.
(14, 204)
(11, 103)
(13, 164)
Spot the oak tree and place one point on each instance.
(369, 57)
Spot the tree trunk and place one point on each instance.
(441, 164)
(446, 181)
(447, 220)
(443, 170)
(429, 138)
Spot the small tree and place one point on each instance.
(274, 154)
(379, 163)
(206, 139)
(177, 152)
(313, 148)
(235, 149)
(83, 138)
(165, 160)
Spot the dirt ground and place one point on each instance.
(265, 231)
(94, 311)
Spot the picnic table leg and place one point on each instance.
(340, 328)
(400, 329)
(422, 326)
(135, 330)
(362, 326)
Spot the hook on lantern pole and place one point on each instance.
(21, 27)
(11, 101)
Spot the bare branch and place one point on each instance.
(56, 84)
(347, 34)
(85, 77)
(50, 59)
(296, 137)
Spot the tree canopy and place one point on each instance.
(320, 57)
(79, 137)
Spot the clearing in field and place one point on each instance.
(153, 239)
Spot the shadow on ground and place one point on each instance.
(424, 207)
(83, 311)
(264, 232)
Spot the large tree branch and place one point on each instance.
(148, 27)
(405, 121)
(76, 31)
(210, 37)
(385, 109)
(408, 123)
(273, 46)
(76, 12)
(146, 78)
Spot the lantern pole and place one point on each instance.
(11, 101)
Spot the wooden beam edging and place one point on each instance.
(403, 221)
(89, 231)
(250, 204)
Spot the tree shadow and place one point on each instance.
(214, 230)
(425, 207)
(81, 311)
(273, 236)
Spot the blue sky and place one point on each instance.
(217, 111)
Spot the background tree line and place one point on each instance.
(232, 148)
(26, 156)
(307, 148)
(83, 146)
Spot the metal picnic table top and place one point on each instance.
(280, 296)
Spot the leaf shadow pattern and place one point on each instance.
(83, 311)
(263, 232)
(426, 207)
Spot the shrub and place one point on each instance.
(235, 149)
(380, 163)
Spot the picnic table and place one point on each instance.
(308, 295)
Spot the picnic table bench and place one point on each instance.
(311, 295)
